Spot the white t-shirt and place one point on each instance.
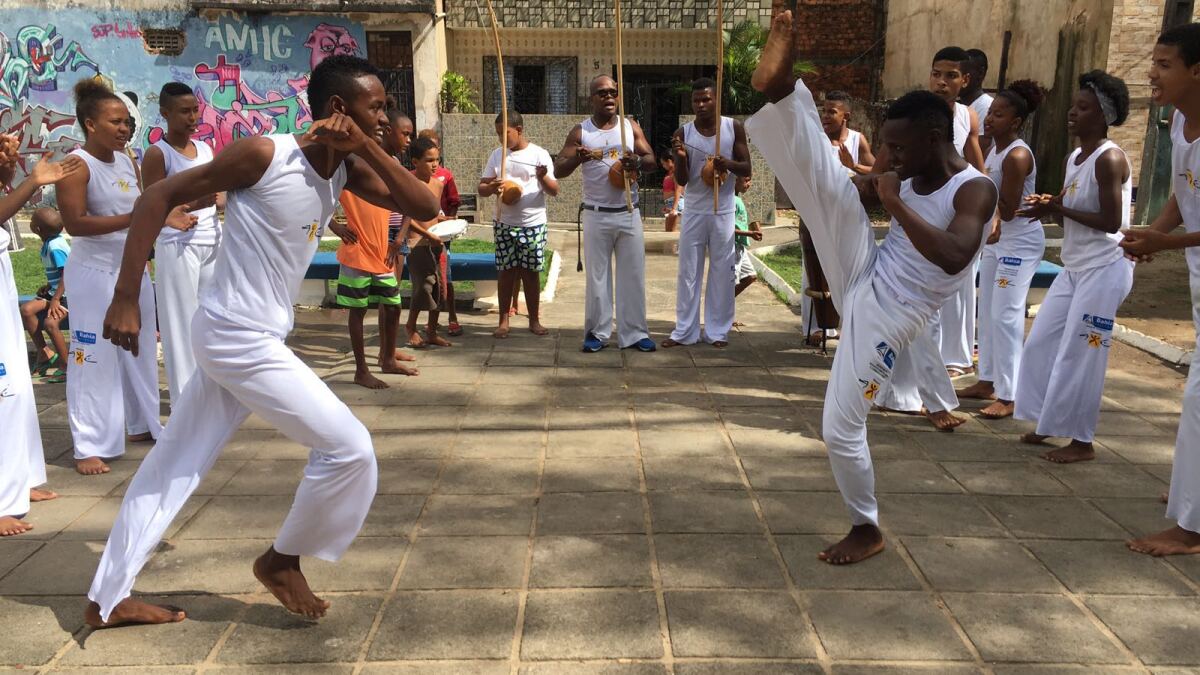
(1085, 247)
(521, 167)
(1185, 181)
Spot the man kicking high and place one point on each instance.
(940, 208)
(282, 189)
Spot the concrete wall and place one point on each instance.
(429, 57)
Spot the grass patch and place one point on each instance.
(27, 267)
(788, 264)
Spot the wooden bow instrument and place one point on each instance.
(719, 177)
(621, 106)
(509, 192)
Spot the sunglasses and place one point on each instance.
(606, 93)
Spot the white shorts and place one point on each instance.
(745, 266)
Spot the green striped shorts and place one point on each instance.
(357, 288)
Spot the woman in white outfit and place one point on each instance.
(22, 465)
(110, 393)
(1061, 378)
(1013, 251)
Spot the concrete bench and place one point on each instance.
(1045, 275)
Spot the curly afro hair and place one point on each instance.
(1024, 96)
(1113, 87)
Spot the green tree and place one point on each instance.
(743, 49)
(457, 94)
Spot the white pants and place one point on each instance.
(243, 371)
(22, 464)
(699, 234)
(955, 331)
(1062, 370)
(181, 270)
(1183, 504)
(605, 236)
(110, 392)
(920, 379)
(875, 325)
(1005, 272)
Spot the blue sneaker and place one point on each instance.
(646, 345)
(592, 344)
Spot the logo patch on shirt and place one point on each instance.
(122, 185)
(1191, 179)
(5, 393)
(1002, 282)
(870, 389)
(1098, 322)
(882, 366)
(85, 338)
(3, 370)
(312, 230)
(1009, 260)
(1073, 187)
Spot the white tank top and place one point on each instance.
(994, 164)
(207, 230)
(597, 191)
(1185, 181)
(901, 269)
(112, 190)
(853, 139)
(962, 127)
(1084, 247)
(981, 106)
(698, 196)
(270, 235)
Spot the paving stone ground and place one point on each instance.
(543, 511)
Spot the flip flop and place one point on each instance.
(455, 329)
(41, 368)
(59, 376)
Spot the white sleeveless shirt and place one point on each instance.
(962, 127)
(1185, 181)
(853, 139)
(901, 269)
(207, 231)
(697, 195)
(271, 233)
(597, 191)
(112, 190)
(994, 164)
(981, 106)
(1085, 247)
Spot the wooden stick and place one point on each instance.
(621, 100)
(503, 105)
(720, 77)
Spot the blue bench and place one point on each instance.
(463, 266)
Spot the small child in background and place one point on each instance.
(49, 308)
(743, 232)
(672, 192)
(450, 202)
(424, 259)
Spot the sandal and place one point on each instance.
(59, 376)
(41, 368)
(455, 329)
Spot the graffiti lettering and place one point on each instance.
(33, 125)
(103, 30)
(34, 61)
(266, 41)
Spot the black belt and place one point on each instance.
(606, 209)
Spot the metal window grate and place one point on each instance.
(164, 41)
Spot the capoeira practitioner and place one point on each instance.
(854, 152)
(973, 95)
(24, 467)
(1173, 73)
(183, 259)
(940, 208)
(1012, 254)
(705, 228)
(610, 230)
(1061, 378)
(917, 384)
(282, 189)
(110, 393)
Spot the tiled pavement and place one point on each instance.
(544, 511)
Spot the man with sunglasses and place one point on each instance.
(610, 227)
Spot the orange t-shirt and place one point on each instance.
(370, 223)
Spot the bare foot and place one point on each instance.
(415, 341)
(1164, 497)
(282, 576)
(1175, 541)
(944, 420)
(394, 368)
(1033, 439)
(11, 525)
(738, 324)
(536, 327)
(130, 611)
(998, 410)
(773, 76)
(140, 438)
(956, 372)
(1075, 451)
(92, 466)
(399, 356)
(41, 495)
(885, 409)
(364, 378)
(668, 343)
(436, 340)
(863, 542)
(501, 332)
(980, 390)
(720, 344)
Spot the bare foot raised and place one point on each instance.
(863, 542)
(1033, 439)
(998, 410)
(364, 378)
(11, 525)
(773, 76)
(981, 390)
(537, 328)
(282, 576)
(130, 611)
(394, 368)
(92, 466)
(41, 495)
(140, 438)
(1175, 541)
(944, 420)
(1075, 451)
(501, 331)
(436, 340)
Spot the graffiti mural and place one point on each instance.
(250, 73)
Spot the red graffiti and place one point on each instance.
(34, 126)
(103, 30)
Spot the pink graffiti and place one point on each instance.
(233, 110)
(103, 30)
(329, 40)
(34, 125)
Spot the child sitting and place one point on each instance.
(49, 308)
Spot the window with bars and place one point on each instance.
(164, 41)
